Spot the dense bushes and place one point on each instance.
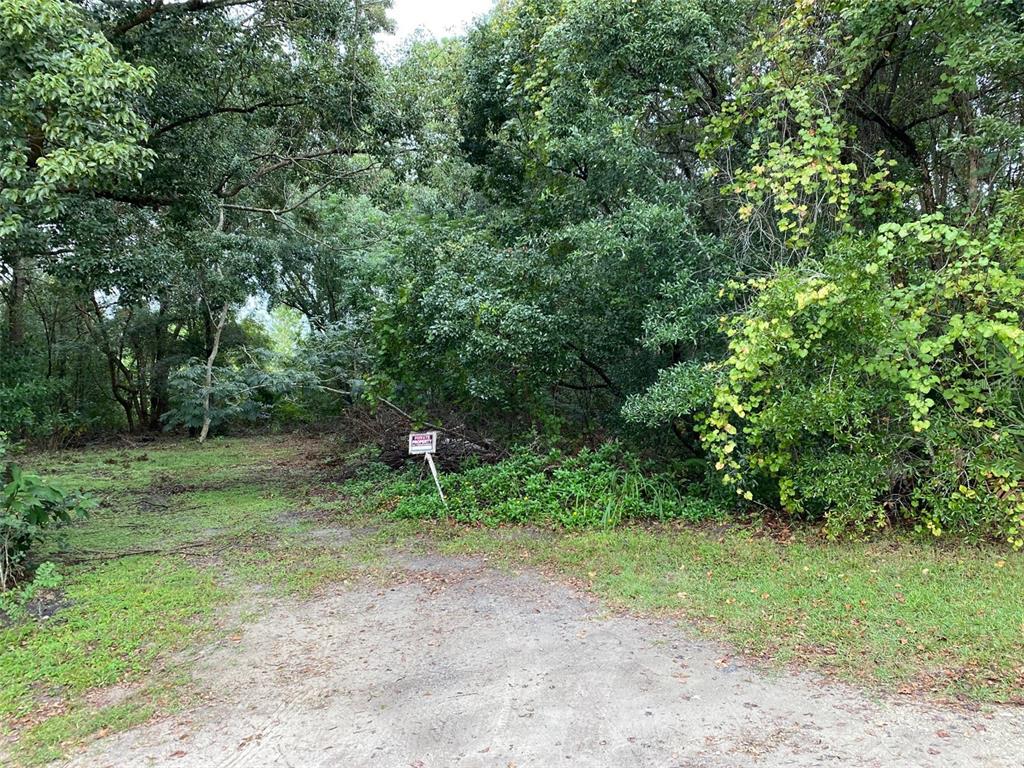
(873, 372)
(863, 401)
(594, 488)
(780, 240)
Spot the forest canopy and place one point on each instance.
(780, 241)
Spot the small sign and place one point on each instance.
(425, 444)
(422, 442)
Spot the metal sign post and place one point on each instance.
(437, 482)
(426, 443)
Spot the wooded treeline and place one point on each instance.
(779, 237)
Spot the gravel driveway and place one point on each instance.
(456, 664)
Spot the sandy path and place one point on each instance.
(461, 665)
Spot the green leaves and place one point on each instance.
(68, 116)
(887, 381)
(599, 488)
(29, 506)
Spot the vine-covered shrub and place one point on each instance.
(884, 381)
(874, 367)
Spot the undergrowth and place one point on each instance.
(598, 488)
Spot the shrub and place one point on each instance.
(884, 382)
(15, 602)
(239, 396)
(29, 506)
(29, 407)
(594, 488)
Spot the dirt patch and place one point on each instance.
(111, 696)
(321, 526)
(44, 606)
(459, 664)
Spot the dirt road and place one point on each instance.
(456, 664)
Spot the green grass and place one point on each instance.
(44, 743)
(122, 614)
(206, 514)
(117, 470)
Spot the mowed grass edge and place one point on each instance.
(897, 612)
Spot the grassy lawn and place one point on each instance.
(183, 532)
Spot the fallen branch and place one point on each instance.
(98, 556)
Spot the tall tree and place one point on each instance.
(69, 126)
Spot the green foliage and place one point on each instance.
(241, 121)
(800, 170)
(779, 238)
(29, 507)
(67, 110)
(27, 405)
(14, 602)
(246, 395)
(595, 488)
(865, 401)
(873, 371)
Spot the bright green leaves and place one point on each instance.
(29, 506)
(800, 170)
(894, 361)
(67, 110)
(873, 360)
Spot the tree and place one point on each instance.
(68, 126)
(874, 365)
(581, 121)
(258, 109)
(254, 116)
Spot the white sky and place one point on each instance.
(439, 17)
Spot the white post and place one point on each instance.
(433, 470)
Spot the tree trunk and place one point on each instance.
(158, 373)
(208, 380)
(966, 114)
(16, 301)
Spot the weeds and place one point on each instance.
(598, 488)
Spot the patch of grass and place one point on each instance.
(48, 741)
(51, 738)
(122, 615)
(221, 460)
(901, 613)
(296, 571)
(199, 508)
(186, 518)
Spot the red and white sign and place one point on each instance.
(422, 442)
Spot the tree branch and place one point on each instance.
(221, 111)
(160, 7)
(600, 373)
(269, 168)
